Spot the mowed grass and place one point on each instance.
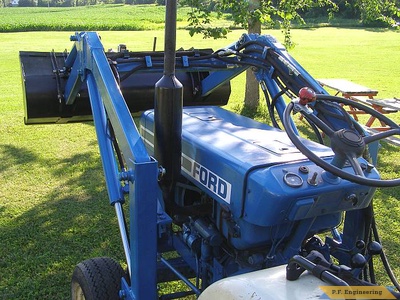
(96, 17)
(54, 210)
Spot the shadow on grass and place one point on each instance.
(12, 156)
(73, 222)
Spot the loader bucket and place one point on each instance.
(43, 89)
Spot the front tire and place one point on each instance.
(97, 279)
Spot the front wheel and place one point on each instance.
(97, 279)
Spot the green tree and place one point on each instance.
(251, 14)
(378, 12)
(27, 3)
(252, 90)
(143, 1)
(4, 3)
(246, 13)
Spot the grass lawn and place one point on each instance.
(91, 17)
(54, 210)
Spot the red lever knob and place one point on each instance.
(306, 95)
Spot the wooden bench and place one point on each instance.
(384, 106)
(387, 104)
(364, 95)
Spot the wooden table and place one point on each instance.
(348, 89)
(363, 94)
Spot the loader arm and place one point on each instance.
(139, 177)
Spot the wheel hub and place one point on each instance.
(346, 140)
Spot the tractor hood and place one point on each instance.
(220, 147)
(251, 168)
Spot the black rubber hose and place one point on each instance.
(383, 256)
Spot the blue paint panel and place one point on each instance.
(220, 148)
(226, 152)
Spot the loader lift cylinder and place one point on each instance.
(168, 111)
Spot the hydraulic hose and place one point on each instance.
(383, 256)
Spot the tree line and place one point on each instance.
(72, 3)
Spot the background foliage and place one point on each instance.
(286, 13)
(370, 12)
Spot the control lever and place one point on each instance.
(298, 264)
(374, 248)
(316, 263)
(360, 245)
(359, 261)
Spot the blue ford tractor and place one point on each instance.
(231, 207)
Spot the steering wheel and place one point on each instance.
(347, 144)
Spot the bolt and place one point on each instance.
(122, 294)
(126, 175)
(353, 199)
(161, 172)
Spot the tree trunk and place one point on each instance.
(252, 91)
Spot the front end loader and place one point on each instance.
(233, 208)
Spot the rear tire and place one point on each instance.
(97, 279)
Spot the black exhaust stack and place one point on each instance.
(168, 112)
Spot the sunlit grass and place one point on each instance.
(54, 210)
(95, 17)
